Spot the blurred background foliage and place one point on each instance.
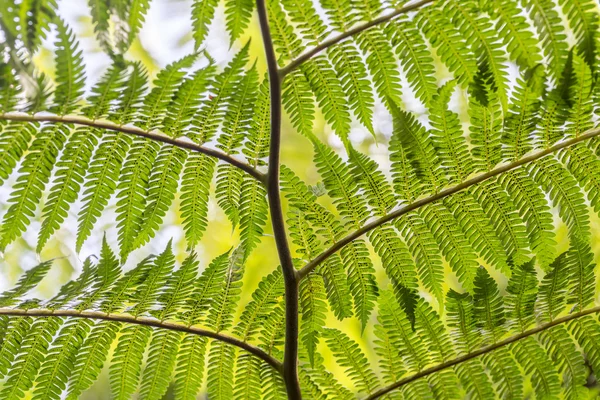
(165, 37)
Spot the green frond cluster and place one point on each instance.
(464, 249)
(55, 355)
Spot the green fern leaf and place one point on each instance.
(325, 224)
(533, 208)
(238, 13)
(59, 361)
(104, 168)
(535, 362)
(76, 156)
(449, 46)
(203, 12)
(253, 213)
(583, 20)
(314, 310)
(412, 52)
(247, 378)
(160, 363)
(569, 361)
(34, 348)
(514, 30)
(485, 44)
(190, 367)
(355, 83)
(195, 186)
(329, 94)
(521, 295)
(28, 281)
(549, 28)
(213, 110)
(136, 175)
(349, 356)
(264, 299)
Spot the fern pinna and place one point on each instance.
(459, 262)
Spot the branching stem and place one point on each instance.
(132, 130)
(290, 276)
(442, 194)
(482, 351)
(351, 32)
(258, 352)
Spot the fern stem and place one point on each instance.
(482, 351)
(442, 194)
(351, 32)
(290, 275)
(257, 351)
(132, 130)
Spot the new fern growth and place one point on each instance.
(459, 262)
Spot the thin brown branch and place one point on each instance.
(483, 350)
(45, 313)
(442, 194)
(290, 276)
(132, 130)
(351, 32)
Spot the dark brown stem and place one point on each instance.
(130, 319)
(481, 352)
(440, 195)
(351, 32)
(132, 130)
(290, 276)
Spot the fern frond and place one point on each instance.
(212, 111)
(414, 55)
(314, 310)
(549, 28)
(70, 77)
(580, 265)
(58, 363)
(28, 360)
(238, 13)
(221, 361)
(34, 175)
(449, 46)
(562, 189)
(514, 30)
(303, 200)
(583, 19)
(354, 80)
(162, 353)
(329, 94)
(536, 363)
(569, 361)
(195, 186)
(253, 213)
(520, 299)
(534, 210)
(136, 177)
(14, 141)
(203, 12)
(462, 321)
(189, 371)
(72, 166)
(28, 281)
(485, 44)
(351, 357)
(104, 168)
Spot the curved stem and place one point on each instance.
(440, 195)
(481, 351)
(257, 351)
(132, 130)
(351, 32)
(290, 276)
